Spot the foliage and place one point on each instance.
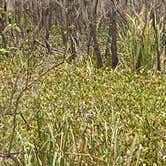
(3, 51)
(77, 115)
(56, 108)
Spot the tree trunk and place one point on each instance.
(92, 28)
(113, 36)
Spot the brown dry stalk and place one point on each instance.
(66, 153)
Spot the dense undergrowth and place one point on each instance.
(77, 115)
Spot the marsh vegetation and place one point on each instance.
(82, 82)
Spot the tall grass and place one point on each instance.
(83, 116)
(133, 41)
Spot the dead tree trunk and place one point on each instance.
(156, 40)
(49, 11)
(92, 9)
(3, 25)
(71, 27)
(113, 35)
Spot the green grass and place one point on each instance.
(129, 109)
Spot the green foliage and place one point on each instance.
(3, 51)
(75, 114)
(11, 26)
(128, 126)
(138, 38)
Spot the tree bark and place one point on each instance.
(113, 36)
(92, 10)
